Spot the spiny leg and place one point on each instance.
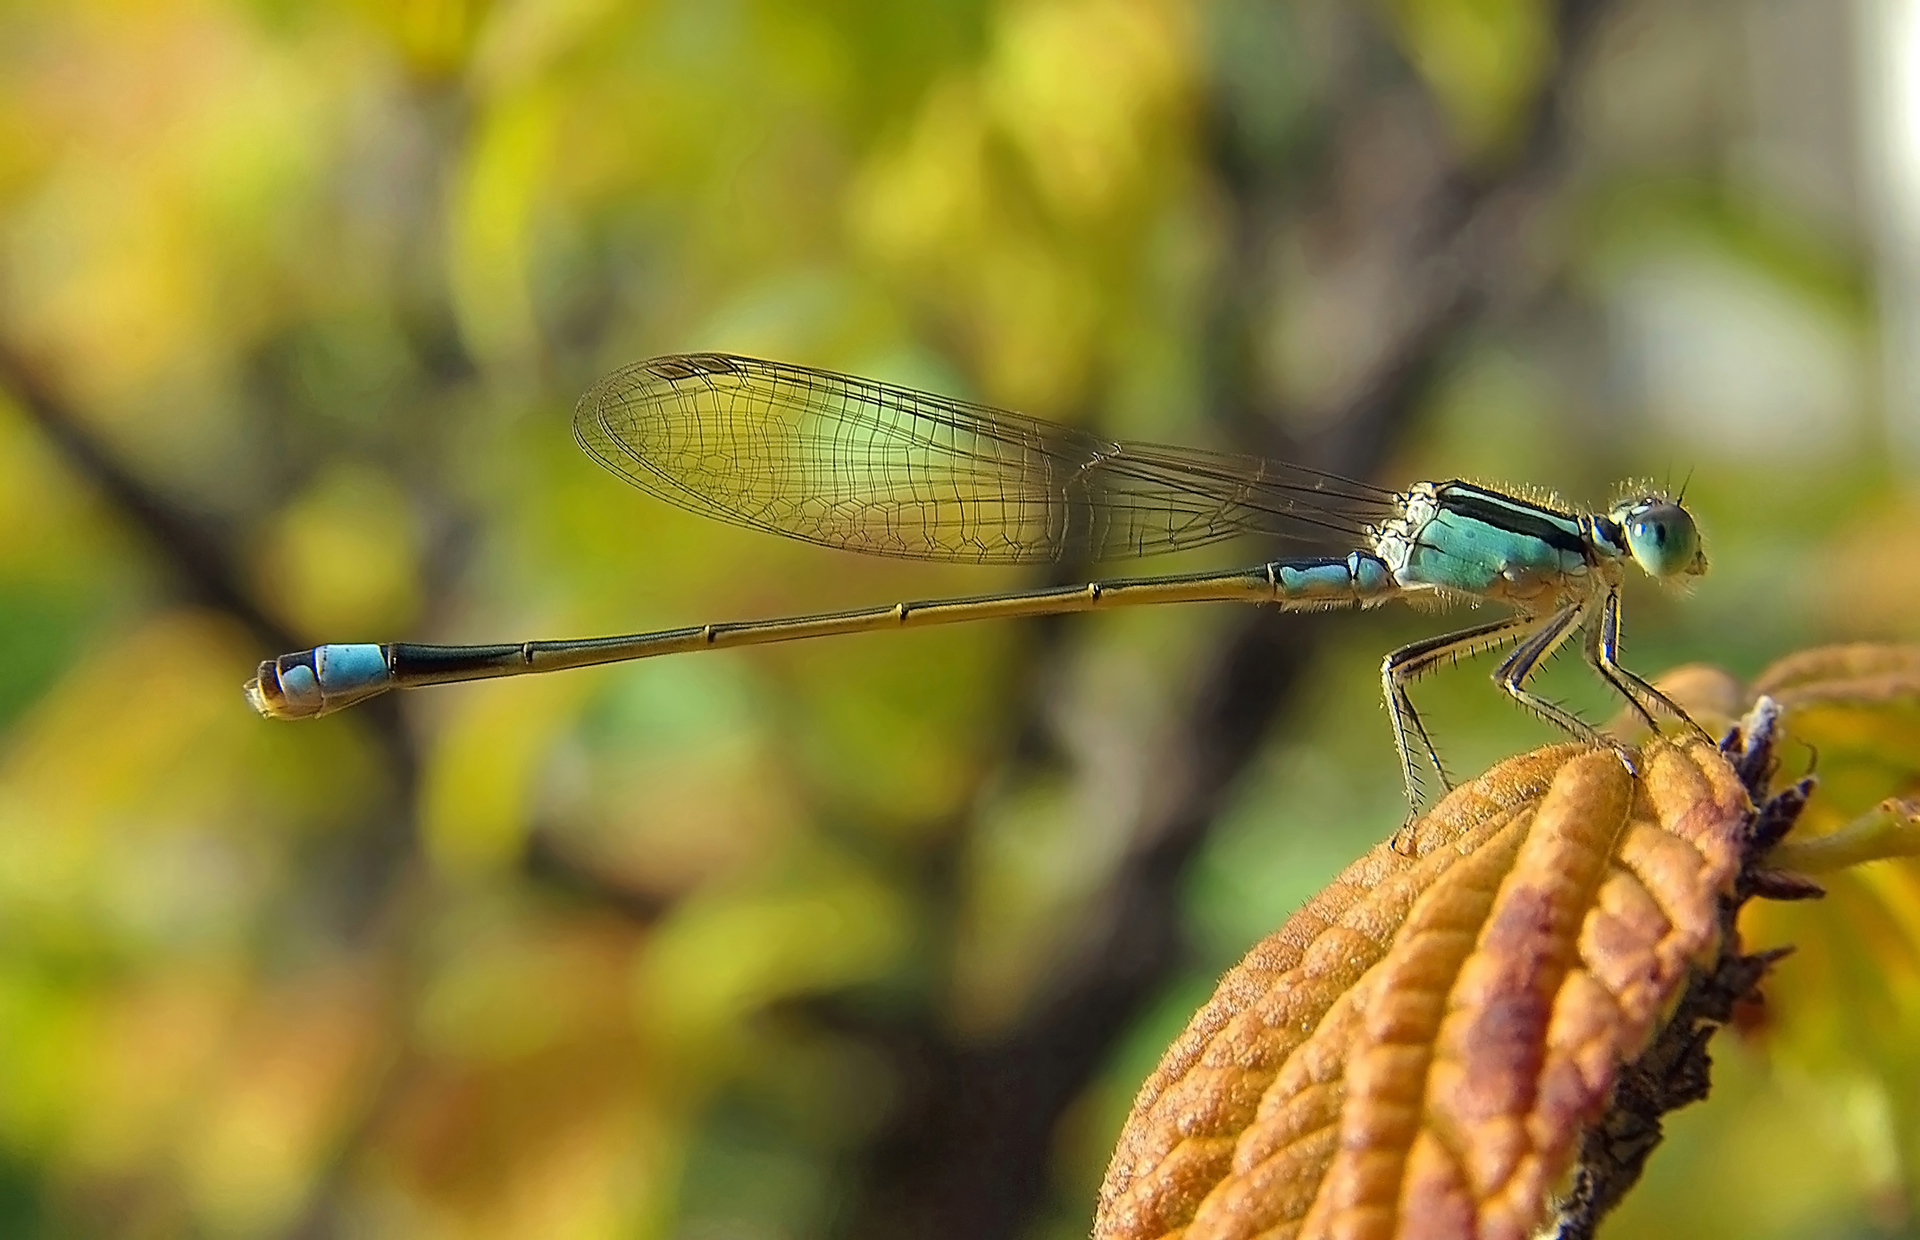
(1603, 654)
(1512, 674)
(1412, 661)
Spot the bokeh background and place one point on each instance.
(875, 937)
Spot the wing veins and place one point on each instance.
(862, 465)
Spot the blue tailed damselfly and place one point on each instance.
(866, 466)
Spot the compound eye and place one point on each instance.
(1663, 539)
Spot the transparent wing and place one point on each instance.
(870, 467)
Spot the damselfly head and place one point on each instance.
(1661, 537)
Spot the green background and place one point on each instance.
(872, 937)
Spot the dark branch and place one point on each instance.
(967, 1151)
(368, 863)
(198, 556)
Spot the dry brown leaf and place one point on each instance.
(1418, 1050)
(1845, 1011)
(1862, 672)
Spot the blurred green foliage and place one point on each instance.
(589, 954)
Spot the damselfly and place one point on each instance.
(866, 466)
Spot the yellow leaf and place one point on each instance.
(1419, 1049)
